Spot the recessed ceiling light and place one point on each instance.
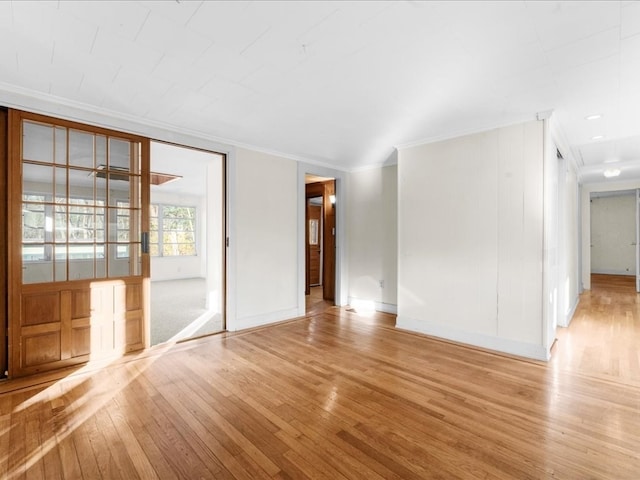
(595, 116)
(597, 137)
(612, 172)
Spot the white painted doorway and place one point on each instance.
(187, 230)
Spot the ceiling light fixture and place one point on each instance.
(612, 172)
(597, 137)
(595, 116)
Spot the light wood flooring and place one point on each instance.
(339, 396)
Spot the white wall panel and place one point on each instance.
(569, 224)
(265, 239)
(470, 239)
(372, 232)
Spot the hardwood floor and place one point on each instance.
(339, 396)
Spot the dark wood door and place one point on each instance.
(78, 204)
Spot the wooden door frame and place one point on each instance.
(4, 249)
(325, 190)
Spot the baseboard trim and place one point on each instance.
(497, 344)
(605, 271)
(263, 319)
(387, 308)
(379, 306)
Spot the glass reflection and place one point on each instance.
(37, 142)
(81, 153)
(37, 179)
(119, 155)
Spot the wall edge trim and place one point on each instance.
(497, 344)
(264, 319)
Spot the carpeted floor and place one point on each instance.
(178, 311)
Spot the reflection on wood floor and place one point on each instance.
(604, 338)
(314, 301)
(334, 395)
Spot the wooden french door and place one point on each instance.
(78, 259)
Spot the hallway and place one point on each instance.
(603, 339)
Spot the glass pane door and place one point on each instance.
(81, 209)
(79, 278)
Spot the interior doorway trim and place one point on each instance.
(585, 230)
(341, 286)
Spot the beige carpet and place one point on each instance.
(178, 311)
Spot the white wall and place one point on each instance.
(569, 225)
(265, 234)
(613, 234)
(372, 232)
(551, 216)
(470, 239)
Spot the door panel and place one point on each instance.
(77, 269)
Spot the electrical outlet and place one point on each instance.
(381, 283)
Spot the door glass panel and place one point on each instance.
(33, 222)
(60, 224)
(101, 152)
(101, 191)
(39, 268)
(37, 179)
(81, 185)
(67, 229)
(101, 264)
(120, 155)
(38, 142)
(120, 191)
(81, 261)
(118, 261)
(61, 145)
(81, 149)
(60, 189)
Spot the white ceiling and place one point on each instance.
(338, 83)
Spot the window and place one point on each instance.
(172, 231)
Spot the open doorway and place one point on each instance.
(186, 243)
(320, 258)
(613, 233)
